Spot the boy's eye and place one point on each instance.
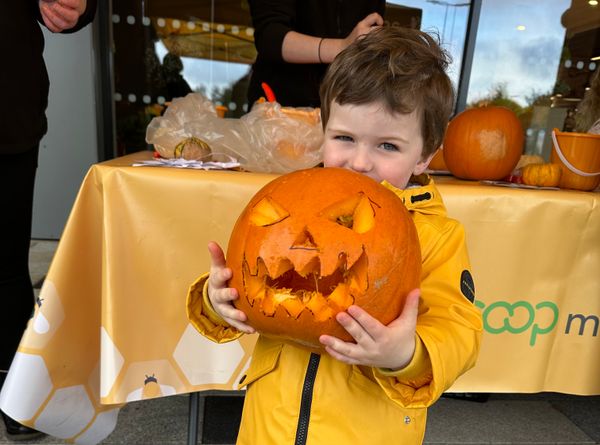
(344, 138)
(389, 147)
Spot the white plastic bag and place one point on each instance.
(270, 138)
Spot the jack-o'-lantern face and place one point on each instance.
(312, 243)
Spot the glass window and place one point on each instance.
(446, 19)
(168, 48)
(536, 58)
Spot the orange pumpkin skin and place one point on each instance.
(437, 162)
(483, 143)
(542, 175)
(311, 243)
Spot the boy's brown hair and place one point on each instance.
(402, 68)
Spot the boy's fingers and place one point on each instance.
(217, 256)
(411, 307)
(237, 318)
(371, 325)
(219, 277)
(242, 327)
(225, 295)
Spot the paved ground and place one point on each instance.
(517, 419)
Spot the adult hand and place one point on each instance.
(60, 15)
(221, 297)
(377, 345)
(365, 26)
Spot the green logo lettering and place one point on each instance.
(515, 325)
(536, 329)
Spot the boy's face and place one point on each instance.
(370, 140)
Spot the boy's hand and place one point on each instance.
(220, 295)
(377, 345)
(60, 15)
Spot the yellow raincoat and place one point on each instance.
(298, 397)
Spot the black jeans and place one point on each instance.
(17, 179)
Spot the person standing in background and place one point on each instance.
(24, 88)
(175, 83)
(587, 117)
(296, 40)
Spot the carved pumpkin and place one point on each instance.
(313, 242)
(542, 175)
(483, 143)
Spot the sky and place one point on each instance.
(525, 60)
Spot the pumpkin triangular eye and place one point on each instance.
(267, 212)
(364, 216)
(356, 213)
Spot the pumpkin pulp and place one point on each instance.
(306, 290)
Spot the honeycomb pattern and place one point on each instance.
(73, 371)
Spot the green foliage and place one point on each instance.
(498, 96)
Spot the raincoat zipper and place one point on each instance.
(306, 402)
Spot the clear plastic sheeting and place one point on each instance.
(268, 139)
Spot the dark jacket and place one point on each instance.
(298, 84)
(23, 77)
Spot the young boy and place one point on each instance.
(386, 101)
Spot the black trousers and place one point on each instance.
(17, 179)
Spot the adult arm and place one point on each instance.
(277, 40)
(302, 48)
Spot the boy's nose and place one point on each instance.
(361, 161)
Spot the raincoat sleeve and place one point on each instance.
(204, 318)
(449, 326)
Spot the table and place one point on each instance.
(110, 324)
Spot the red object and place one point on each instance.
(515, 179)
(268, 92)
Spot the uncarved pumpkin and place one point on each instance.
(437, 162)
(483, 143)
(542, 175)
(313, 242)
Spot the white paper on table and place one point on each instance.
(230, 162)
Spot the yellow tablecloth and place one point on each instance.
(110, 325)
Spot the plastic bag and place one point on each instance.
(269, 138)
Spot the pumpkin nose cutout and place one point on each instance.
(304, 241)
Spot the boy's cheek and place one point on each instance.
(331, 157)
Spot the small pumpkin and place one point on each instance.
(542, 175)
(191, 148)
(313, 242)
(483, 143)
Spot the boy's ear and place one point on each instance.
(423, 164)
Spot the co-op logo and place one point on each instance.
(519, 317)
(535, 318)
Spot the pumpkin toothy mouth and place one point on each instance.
(307, 290)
